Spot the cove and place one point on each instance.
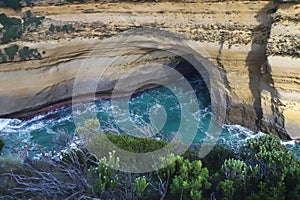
(41, 131)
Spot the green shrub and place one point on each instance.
(272, 172)
(26, 54)
(216, 157)
(265, 143)
(90, 131)
(14, 4)
(136, 145)
(28, 2)
(235, 170)
(139, 186)
(106, 182)
(31, 22)
(270, 154)
(278, 168)
(65, 28)
(190, 179)
(235, 173)
(11, 51)
(292, 180)
(12, 28)
(228, 187)
(52, 28)
(104, 177)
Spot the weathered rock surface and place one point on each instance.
(281, 89)
(262, 91)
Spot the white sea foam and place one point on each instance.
(291, 142)
(4, 123)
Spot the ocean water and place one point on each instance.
(39, 132)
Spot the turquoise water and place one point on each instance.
(40, 132)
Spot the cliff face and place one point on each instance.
(258, 59)
(280, 90)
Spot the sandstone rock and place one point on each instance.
(262, 92)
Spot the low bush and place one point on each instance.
(216, 157)
(11, 51)
(190, 179)
(31, 22)
(65, 28)
(12, 28)
(24, 53)
(14, 4)
(27, 54)
(136, 145)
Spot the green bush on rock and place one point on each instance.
(14, 4)
(11, 51)
(24, 53)
(66, 28)
(12, 28)
(27, 54)
(31, 22)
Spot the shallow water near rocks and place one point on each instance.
(40, 132)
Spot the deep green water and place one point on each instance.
(40, 131)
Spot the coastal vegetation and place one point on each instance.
(262, 169)
(64, 28)
(14, 4)
(13, 28)
(19, 53)
(31, 22)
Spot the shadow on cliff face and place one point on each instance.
(260, 76)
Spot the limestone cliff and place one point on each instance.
(280, 88)
(254, 45)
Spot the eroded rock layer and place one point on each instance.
(255, 50)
